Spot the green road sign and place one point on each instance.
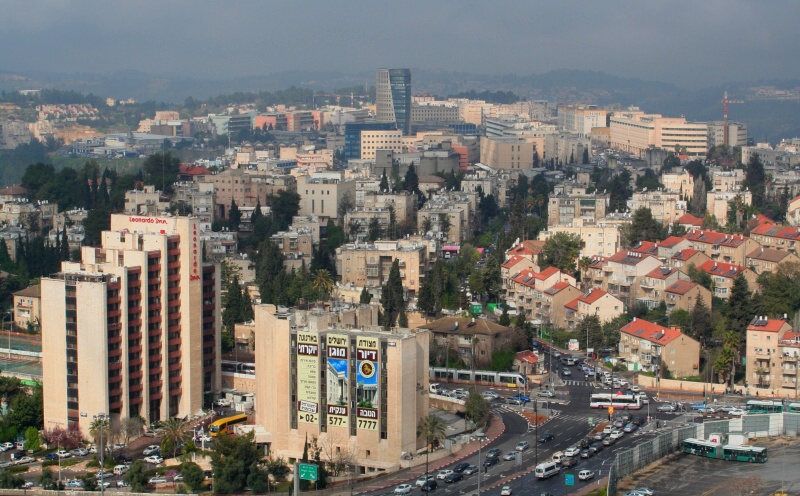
(569, 479)
(308, 472)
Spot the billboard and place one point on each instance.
(308, 377)
(367, 394)
(338, 376)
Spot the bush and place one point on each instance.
(16, 469)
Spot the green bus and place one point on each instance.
(698, 447)
(752, 454)
(764, 406)
(793, 408)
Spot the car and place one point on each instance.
(161, 480)
(494, 453)
(107, 484)
(454, 477)
(586, 453)
(92, 449)
(596, 448)
(569, 461)
(736, 411)
(556, 354)
(151, 450)
(123, 459)
(628, 428)
(63, 454)
(24, 460)
(223, 402)
(154, 459)
(619, 423)
(599, 435)
(6, 464)
(490, 460)
(514, 401)
(616, 434)
(641, 491)
(490, 395)
(608, 441)
(566, 372)
(79, 452)
(429, 486)
(546, 393)
(205, 438)
(506, 491)
(122, 483)
(572, 451)
(635, 389)
(442, 474)
(8, 445)
(584, 443)
(459, 468)
(472, 469)
(698, 406)
(706, 410)
(423, 479)
(522, 398)
(667, 407)
(74, 484)
(51, 456)
(607, 429)
(638, 421)
(547, 436)
(522, 446)
(512, 455)
(104, 475)
(585, 475)
(28, 485)
(119, 446)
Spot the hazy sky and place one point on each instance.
(687, 42)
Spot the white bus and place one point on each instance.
(624, 401)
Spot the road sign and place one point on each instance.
(569, 479)
(308, 472)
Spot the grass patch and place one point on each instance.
(16, 469)
(599, 492)
(64, 463)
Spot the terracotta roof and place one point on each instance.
(790, 336)
(447, 325)
(764, 324)
(527, 247)
(645, 247)
(598, 262)
(193, 170)
(547, 273)
(628, 257)
(527, 356)
(716, 238)
(671, 241)
(34, 291)
(14, 190)
(769, 254)
(557, 287)
(573, 305)
(681, 287)
(592, 296)
(685, 254)
(651, 332)
(721, 269)
(524, 277)
(512, 261)
(661, 272)
(691, 220)
(760, 219)
(777, 231)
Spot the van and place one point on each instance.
(546, 470)
(435, 388)
(558, 456)
(119, 470)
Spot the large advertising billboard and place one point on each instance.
(308, 377)
(338, 375)
(367, 394)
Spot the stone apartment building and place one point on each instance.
(652, 287)
(623, 272)
(598, 239)
(767, 360)
(723, 276)
(28, 307)
(246, 188)
(526, 292)
(722, 247)
(776, 236)
(565, 208)
(514, 265)
(666, 206)
(146, 201)
(683, 295)
(593, 302)
(320, 194)
(653, 348)
(369, 264)
(687, 257)
(472, 339)
(718, 203)
(769, 260)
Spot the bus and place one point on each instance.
(624, 401)
(764, 406)
(752, 454)
(487, 377)
(698, 447)
(793, 408)
(225, 425)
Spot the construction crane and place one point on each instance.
(725, 101)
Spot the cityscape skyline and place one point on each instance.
(706, 43)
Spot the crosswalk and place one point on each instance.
(579, 383)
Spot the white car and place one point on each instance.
(24, 460)
(153, 449)
(154, 459)
(572, 451)
(490, 395)
(424, 479)
(635, 388)
(736, 411)
(443, 473)
(607, 429)
(223, 402)
(205, 438)
(63, 454)
(506, 491)
(157, 480)
(403, 489)
(616, 434)
(547, 393)
(585, 475)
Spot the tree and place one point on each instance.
(136, 477)
(33, 440)
(47, 481)
(755, 180)
(643, 227)
(402, 319)
(700, 277)
(323, 282)
(89, 482)
(234, 216)
(476, 282)
(365, 296)
(98, 429)
(10, 480)
(432, 429)
(476, 408)
(374, 230)
(384, 184)
(505, 319)
(739, 305)
(174, 435)
(561, 251)
(96, 221)
(256, 215)
(161, 170)
(426, 300)
(392, 296)
(285, 205)
(193, 476)
(346, 205)
(411, 180)
(701, 323)
(585, 155)
(132, 427)
(233, 460)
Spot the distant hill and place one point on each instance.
(767, 119)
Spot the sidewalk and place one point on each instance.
(396, 478)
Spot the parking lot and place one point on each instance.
(689, 474)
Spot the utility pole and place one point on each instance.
(480, 437)
(100, 419)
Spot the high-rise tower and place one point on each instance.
(393, 97)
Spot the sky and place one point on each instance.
(691, 43)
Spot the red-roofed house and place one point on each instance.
(593, 302)
(654, 347)
(722, 247)
(623, 271)
(683, 295)
(652, 286)
(515, 264)
(690, 222)
(688, 256)
(187, 172)
(776, 236)
(769, 259)
(764, 361)
(723, 275)
(671, 246)
(793, 212)
(550, 307)
(530, 249)
(527, 362)
(593, 276)
(526, 291)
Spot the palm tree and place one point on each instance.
(174, 434)
(584, 264)
(98, 429)
(432, 429)
(323, 282)
(733, 341)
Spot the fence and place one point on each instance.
(763, 425)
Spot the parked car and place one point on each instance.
(6, 464)
(512, 455)
(459, 468)
(154, 459)
(585, 475)
(454, 477)
(157, 480)
(506, 491)
(599, 435)
(63, 454)
(51, 456)
(74, 484)
(425, 478)
(546, 393)
(79, 452)
(24, 460)
(490, 395)
(104, 475)
(443, 473)
(547, 436)
(222, 402)
(736, 411)
(8, 445)
(607, 429)
(151, 450)
(514, 401)
(472, 469)
(698, 406)
(566, 372)
(429, 486)
(403, 489)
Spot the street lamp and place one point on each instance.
(536, 441)
(480, 437)
(101, 419)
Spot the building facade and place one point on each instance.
(393, 98)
